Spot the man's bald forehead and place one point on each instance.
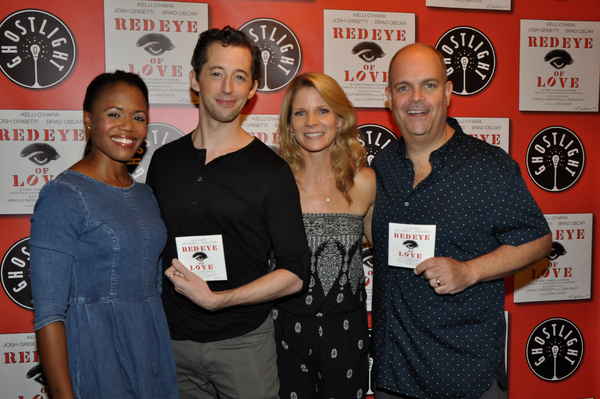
(421, 46)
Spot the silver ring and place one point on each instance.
(437, 280)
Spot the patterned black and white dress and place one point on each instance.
(322, 336)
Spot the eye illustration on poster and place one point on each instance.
(566, 272)
(40, 153)
(555, 349)
(279, 49)
(155, 43)
(15, 274)
(557, 250)
(35, 146)
(38, 50)
(155, 40)
(374, 138)
(558, 59)
(470, 59)
(559, 66)
(158, 135)
(357, 49)
(555, 159)
(368, 51)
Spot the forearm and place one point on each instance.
(450, 276)
(277, 284)
(271, 286)
(508, 259)
(52, 348)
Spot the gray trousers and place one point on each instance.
(244, 367)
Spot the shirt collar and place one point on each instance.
(444, 151)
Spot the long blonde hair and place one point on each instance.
(347, 155)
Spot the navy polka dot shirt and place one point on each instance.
(446, 346)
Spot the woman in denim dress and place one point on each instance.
(96, 237)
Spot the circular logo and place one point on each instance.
(374, 138)
(158, 135)
(279, 49)
(15, 274)
(37, 50)
(555, 159)
(469, 57)
(554, 349)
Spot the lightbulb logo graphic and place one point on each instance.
(374, 138)
(555, 159)
(279, 49)
(469, 57)
(555, 349)
(37, 50)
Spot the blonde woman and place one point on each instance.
(322, 335)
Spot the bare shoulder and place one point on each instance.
(365, 180)
(365, 187)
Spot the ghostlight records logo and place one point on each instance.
(555, 349)
(279, 49)
(555, 159)
(37, 50)
(15, 274)
(470, 59)
(374, 138)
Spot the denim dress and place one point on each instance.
(94, 266)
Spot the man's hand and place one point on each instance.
(450, 276)
(189, 284)
(447, 275)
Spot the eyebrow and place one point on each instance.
(222, 68)
(121, 109)
(427, 80)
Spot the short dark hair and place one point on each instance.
(227, 37)
(104, 81)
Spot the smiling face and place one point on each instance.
(224, 83)
(117, 120)
(418, 94)
(313, 121)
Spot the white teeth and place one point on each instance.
(123, 140)
(313, 134)
(416, 112)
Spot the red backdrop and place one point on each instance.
(305, 18)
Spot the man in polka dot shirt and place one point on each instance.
(439, 328)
